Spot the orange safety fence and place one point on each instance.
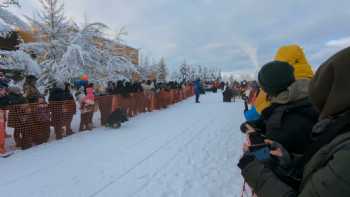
(27, 125)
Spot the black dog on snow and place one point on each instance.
(117, 117)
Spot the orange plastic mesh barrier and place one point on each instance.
(34, 124)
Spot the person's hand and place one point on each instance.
(250, 129)
(279, 152)
(245, 147)
(246, 128)
(276, 148)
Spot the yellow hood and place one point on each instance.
(294, 55)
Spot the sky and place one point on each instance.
(234, 35)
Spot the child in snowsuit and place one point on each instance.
(87, 104)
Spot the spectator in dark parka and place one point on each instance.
(227, 94)
(69, 109)
(56, 101)
(290, 105)
(41, 128)
(327, 159)
(30, 91)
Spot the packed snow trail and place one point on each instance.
(187, 150)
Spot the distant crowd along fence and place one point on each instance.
(31, 124)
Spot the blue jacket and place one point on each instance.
(252, 114)
(197, 87)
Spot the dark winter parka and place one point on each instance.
(31, 92)
(227, 94)
(278, 122)
(327, 159)
(56, 101)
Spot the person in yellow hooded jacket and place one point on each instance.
(287, 115)
(294, 56)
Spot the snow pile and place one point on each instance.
(186, 150)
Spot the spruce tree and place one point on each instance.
(162, 71)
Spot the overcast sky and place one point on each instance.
(233, 35)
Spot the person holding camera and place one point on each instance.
(326, 159)
(287, 121)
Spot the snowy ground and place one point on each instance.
(187, 150)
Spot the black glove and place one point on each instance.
(285, 160)
(245, 160)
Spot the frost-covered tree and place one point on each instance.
(66, 51)
(184, 71)
(92, 54)
(119, 34)
(162, 71)
(53, 33)
(19, 60)
(199, 72)
(7, 3)
(144, 68)
(10, 22)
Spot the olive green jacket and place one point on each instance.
(327, 174)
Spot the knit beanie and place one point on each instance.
(275, 77)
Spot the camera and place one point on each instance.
(260, 151)
(258, 147)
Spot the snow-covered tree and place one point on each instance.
(143, 68)
(7, 3)
(119, 34)
(199, 72)
(162, 71)
(93, 54)
(184, 71)
(66, 51)
(14, 60)
(52, 28)
(19, 60)
(10, 22)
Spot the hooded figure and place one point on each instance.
(56, 101)
(294, 56)
(290, 95)
(290, 118)
(197, 89)
(327, 160)
(290, 104)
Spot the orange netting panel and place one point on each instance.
(37, 123)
